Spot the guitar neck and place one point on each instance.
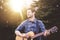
(52, 30)
(39, 34)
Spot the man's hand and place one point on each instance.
(21, 34)
(25, 35)
(46, 33)
(30, 34)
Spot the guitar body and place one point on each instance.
(21, 38)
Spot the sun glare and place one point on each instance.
(18, 5)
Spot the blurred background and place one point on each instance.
(13, 12)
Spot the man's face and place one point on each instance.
(29, 13)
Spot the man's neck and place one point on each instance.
(32, 18)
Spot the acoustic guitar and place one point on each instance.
(32, 35)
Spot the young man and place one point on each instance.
(31, 24)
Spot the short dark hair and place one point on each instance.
(33, 10)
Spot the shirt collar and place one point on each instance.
(33, 21)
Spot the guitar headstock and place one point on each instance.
(53, 29)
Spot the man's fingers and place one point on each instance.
(46, 33)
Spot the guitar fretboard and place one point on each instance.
(39, 34)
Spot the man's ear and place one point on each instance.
(33, 13)
(36, 8)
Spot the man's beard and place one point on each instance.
(30, 17)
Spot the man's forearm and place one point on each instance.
(21, 34)
(18, 33)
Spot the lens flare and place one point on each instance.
(18, 5)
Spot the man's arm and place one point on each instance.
(19, 28)
(42, 26)
(18, 33)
